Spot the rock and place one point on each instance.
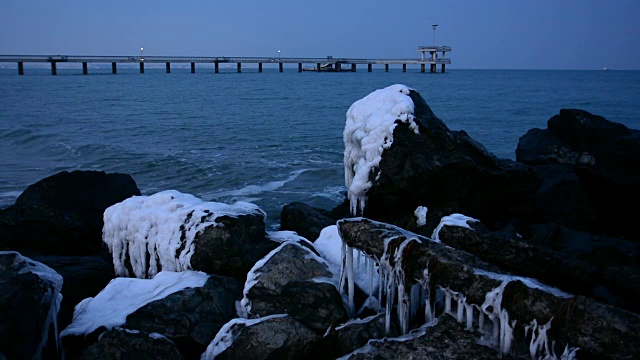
(84, 276)
(29, 302)
(606, 158)
(271, 337)
(444, 340)
(294, 280)
(192, 317)
(517, 307)
(126, 344)
(445, 171)
(62, 214)
(305, 220)
(174, 231)
(346, 338)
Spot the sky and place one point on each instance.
(489, 34)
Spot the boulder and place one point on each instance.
(174, 231)
(270, 337)
(127, 344)
(190, 318)
(307, 221)
(294, 280)
(605, 157)
(354, 334)
(29, 302)
(62, 214)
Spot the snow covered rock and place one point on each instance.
(174, 231)
(29, 302)
(399, 156)
(294, 280)
(427, 279)
(270, 337)
(126, 344)
(62, 214)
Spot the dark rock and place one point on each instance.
(126, 344)
(231, 248)
(284, 284)
(305, 220)
(191, 317)
(444, 340)
(62, 214)
(273, 337)
(29, 294)
(84, 276)
(352, 335)
(605, 157)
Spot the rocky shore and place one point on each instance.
(440, 250)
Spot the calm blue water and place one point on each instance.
(269, 138)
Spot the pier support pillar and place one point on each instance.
(386, 67)
(442, 68)
(217, 67)
(54, 71)
(114, 68)
(422, 67)
(433, 68)
(318, 67)
(299, 67)
(369, 67)
(404, 67)
(353, 67)
(20, 68)
(168, 67)
(280, 66)
(239, 67)
(141, 68)
(338, 67)
(193, 68)
(259, 67)
(85, 70)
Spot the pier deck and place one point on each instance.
(321, 63)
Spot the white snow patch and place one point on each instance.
(367, 132)
(421, 215)
(161, 228)
(123, 296)
(529, 282)
(229, 332)
(452, 220)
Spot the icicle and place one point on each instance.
(370, 269)
(350, 283)
(480, 320)
(425, 283)
(343, 263)
(381, 276)
(539, 339)
(569, 353)
(390, 295)
(469, 315)
(460, 309)
(506, 332)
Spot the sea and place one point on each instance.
(267, 138)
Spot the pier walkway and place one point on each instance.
(328, 63)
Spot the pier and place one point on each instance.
(329, 63)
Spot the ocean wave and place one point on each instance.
(257, 189)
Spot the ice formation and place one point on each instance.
(48, 274)
(367, 132)
(157, 232)
(421, 215)
(452, 220)
(228, 333)
(123, 296)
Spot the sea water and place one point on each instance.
(268, 138)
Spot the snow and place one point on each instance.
(367, 132)
(452, 220)
(49, 275)
(228, 333)
(123, 296)
(529, 282)
(161, 228)
(421, 215)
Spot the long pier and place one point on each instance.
(328, 63)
